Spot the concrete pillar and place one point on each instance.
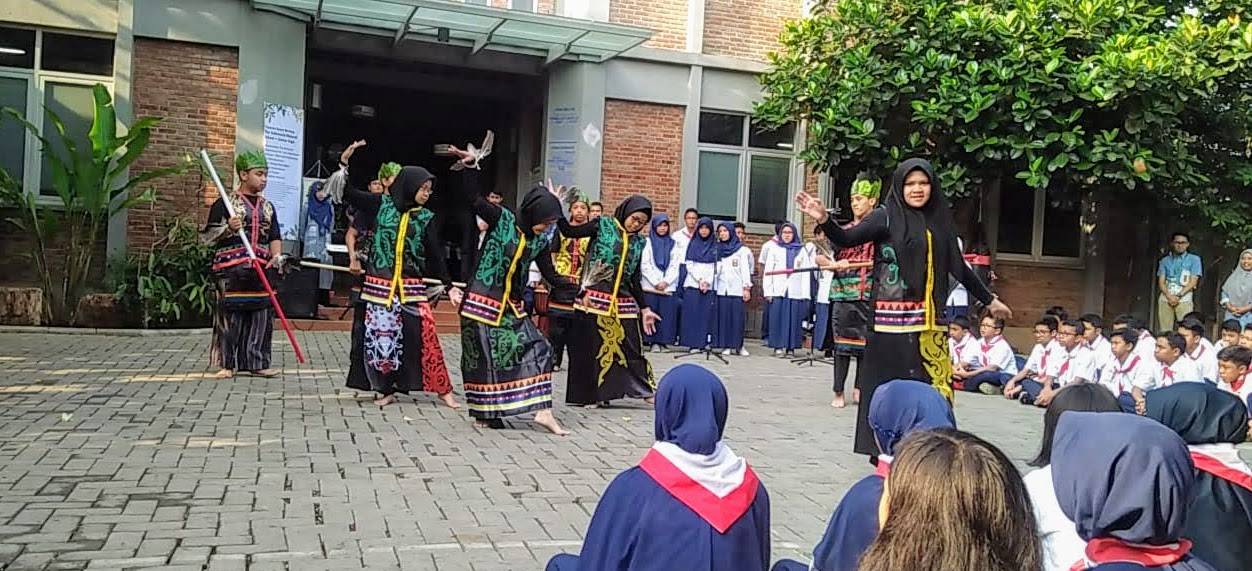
(574, 125)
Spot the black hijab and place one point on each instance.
(633, 203)
(907, 227)
(404, 189)
(538, 206)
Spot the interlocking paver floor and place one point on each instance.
(119, 452)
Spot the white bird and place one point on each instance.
(478, 153)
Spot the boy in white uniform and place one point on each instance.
(1045, 336)
(1093, 337)
(1125, 369)
(1172, 366)
(1071, 364)
(990, 363)
(1233, 363)
(1230, 335)
(1199, 350)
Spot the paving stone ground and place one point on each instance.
(120, 453)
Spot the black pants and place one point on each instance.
(559, 326)
(843, 363)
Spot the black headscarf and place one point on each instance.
(538, 206)
(404, 188)
(633, 203)
(1199, 412)
(907, 227)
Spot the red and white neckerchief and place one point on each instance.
(720, 508)
(883, 468)
(1168, 373)
(958, 347)
(1108, 550)
(986, 349)
(1043, 361)
(1222, 461)
(1121, 373)
(1238, 384)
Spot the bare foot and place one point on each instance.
(384, 401)
(545, 419)
(650, 400)
(838, 402)
(267, 373)
(224, 374)
(591, 406)
(856, 396)
(449, 400)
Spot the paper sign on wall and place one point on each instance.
(284, 150)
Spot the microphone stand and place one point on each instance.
(816, 357)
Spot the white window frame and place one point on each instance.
(745, 154)
(36, 92)
(1036, 255)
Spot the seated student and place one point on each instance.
(1061, 544)
(1219, 517)
(1232, 369)
(690, 504)
(899, 408)
(1058, 312)
(1196, 316)
(959, 341)
(1045, 334)
(1171, 367)
(1245, 336)
(953, 502)
(1093, 337)
(1230, 334)
(1145, 350)
(1199, 350)
(990, 363)
(1124, 481)
(1070, 364)
(1126, 369)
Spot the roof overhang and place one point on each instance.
(475, 27)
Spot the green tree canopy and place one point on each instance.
(1144, 96)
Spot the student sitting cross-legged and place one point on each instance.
(899, 407)
(690, 504)
(1037, 363)
(1071, 363)
(989, 363)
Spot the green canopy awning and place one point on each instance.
(476, 27)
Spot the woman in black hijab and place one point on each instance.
(611, 312)
(1219, 516)
(915, 251)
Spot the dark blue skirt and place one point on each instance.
(786, 317)
(821, 326)
(666, 306)
(728, 332)
(698, 314)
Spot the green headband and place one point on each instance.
(866, 188)
(388, 170)
(249, 160)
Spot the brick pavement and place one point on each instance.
(118, 452)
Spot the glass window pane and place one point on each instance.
(767, 189)
(17, 48)
(721, 129)
(526, 5)
(1062, 220)
(77, 54)
(1017, 219)
(75, 106)
(717, 194)
(12, 133)
(782, 138)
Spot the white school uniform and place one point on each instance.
(699, 272)
(794, 286)
(1066, 367)
(960, 351)
(1145, 347)
(1243, 391)
(1205, 359)
(533, 275)
(1060, 543)
(653, 275)
(681, 240)
(773, 257)
(824, 278)
(1182, 371)
(991, 352)
(1037, 361)
(1119, 377)
(733, 275)
(1219, 345)
(1101, 354)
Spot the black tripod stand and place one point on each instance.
(812, 356)
(707, 351)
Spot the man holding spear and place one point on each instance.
(244, 325)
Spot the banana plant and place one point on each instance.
(90, 188)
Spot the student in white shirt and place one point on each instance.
(1233, 364)
(682, 237)
(1230, 334)
(1125, 369)
(659, 269)
(1093, 337)
(1245, 336)
(741, 231)
(959, 341)
(989, 362)
(1070, 365)
(1058, 539)
(819, 250)
(733, 283)
(1172, 366)
(1199, 350)
(1045, 335)
(1145, 347)
(770, 285)
(791, 297)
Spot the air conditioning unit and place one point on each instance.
(363, 111)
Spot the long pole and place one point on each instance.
(256, 262)
(851, 266)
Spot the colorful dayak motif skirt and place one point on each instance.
(606, 360)
(850, 324)
(401, 350)
(921, 357)
(242, 339)
(507, 368)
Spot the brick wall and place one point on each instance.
(192, 87)
(642, 146)
(745, 28)
(666, 18)
(1029, 290)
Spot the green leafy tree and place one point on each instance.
(1074, 96)
(91, 186)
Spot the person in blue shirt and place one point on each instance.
(1177, 276)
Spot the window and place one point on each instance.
(55, 70)
(1039, 224)
(524, 5)
(745, 173)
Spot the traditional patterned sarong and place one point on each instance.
(606, 361)
(507, 368)
(242, 339)
(402, 351)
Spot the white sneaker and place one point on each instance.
(693, 351)
(725, 352)
(743, 352)
(778, 352)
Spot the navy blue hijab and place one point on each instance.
(691, 409)
(662, 246)
(729, 247)
(902, 406)
(320, 211)
(793, 247)
(703, 250)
